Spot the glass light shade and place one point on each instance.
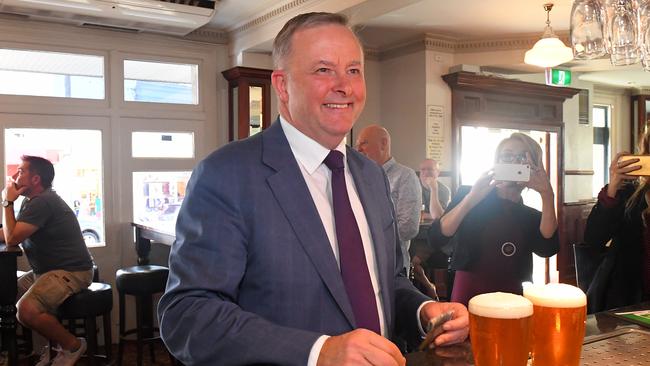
(548, 52)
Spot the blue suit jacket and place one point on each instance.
(252, 275)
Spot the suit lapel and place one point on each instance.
(293, 197)
(368, 191)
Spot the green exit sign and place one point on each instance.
(558, 77)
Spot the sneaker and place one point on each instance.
(44, 360)
(68, 358)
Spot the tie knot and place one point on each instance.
(334, 160)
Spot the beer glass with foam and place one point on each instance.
(500, 329)
(560, 312)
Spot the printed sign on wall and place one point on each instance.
(435, 132)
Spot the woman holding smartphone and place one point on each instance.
(621, 215)
(493, 233)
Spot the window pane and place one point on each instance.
(599, 169)
(157, 197)
(160, 82)
(77, 166)
(162, 144)
(51, 74)
(600, 117)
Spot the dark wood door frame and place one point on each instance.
(488, 101)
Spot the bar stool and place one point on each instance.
(95, 301)
(142, 282)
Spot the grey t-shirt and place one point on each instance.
(57, 243)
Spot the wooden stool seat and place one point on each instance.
(95, 301)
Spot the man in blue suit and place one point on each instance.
(254, 272)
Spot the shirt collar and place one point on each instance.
(309, 153)
(389, 163)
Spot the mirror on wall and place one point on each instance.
(640, 118)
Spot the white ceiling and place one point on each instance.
(466, 19)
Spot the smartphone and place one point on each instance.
(512, 172)
(644, 161)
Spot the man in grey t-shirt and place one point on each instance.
(54, 246)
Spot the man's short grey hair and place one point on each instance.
(282, 42)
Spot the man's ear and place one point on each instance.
(36, 179)
(279, 81)
(384, 144)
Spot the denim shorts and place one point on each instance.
(50, 289)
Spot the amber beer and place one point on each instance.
(560, 312)
(500, 329)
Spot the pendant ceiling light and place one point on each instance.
(549, 51)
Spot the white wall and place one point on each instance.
(438, 93)
(403, 99)
(372, 112)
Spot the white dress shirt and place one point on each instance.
(310, 155)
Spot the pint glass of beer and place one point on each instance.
(558, 323)
(500, 329)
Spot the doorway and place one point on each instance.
(477, 150)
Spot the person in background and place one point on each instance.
(494, 234)
(426, 258)
(374, 142)
(621, 215)
(260, 272)
(61, 264)
(434, 205)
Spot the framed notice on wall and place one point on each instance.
(435, 132)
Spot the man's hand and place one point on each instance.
(432, 183)
(11, 192)
(455, 330)
(360, 347)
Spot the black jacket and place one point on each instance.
(619, 280)
(466, 239)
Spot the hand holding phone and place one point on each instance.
(644, 163)
(512, 172)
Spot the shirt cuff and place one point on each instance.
(606, 200)
(423, 333)
(315, 350)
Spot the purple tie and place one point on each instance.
(354, 268)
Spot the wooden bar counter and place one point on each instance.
(606, 338)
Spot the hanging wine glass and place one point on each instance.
(587, 30)
(644, 33)
(624, 42)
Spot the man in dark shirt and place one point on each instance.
(51, 238)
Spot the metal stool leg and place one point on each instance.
(91, 338)
(140, 331)
(108, 340)
(120, 347)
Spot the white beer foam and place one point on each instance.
(558, 295)
(501, 305)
